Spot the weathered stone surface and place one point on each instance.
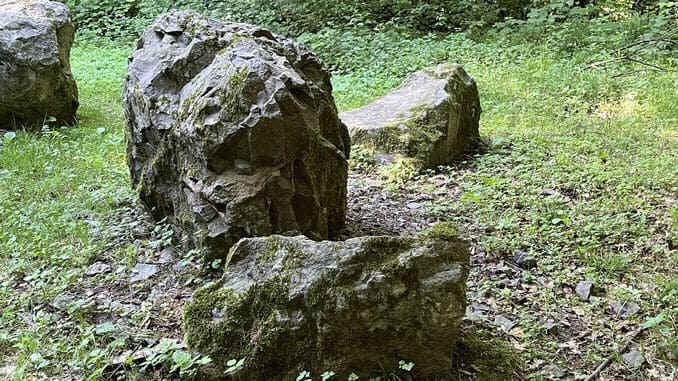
(36, 83)
(288, 303)
(432, 117)
(583, 290)
(143, 271)
(233, 132)
(625, 309)
(634, 359)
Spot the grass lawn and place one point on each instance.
(582, 174)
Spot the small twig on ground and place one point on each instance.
(608, 361)
(626, 58)
(630, 72)
(595, 64)
(646, 64)
(655, 40)
(631, 51)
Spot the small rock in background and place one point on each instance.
(583, 290)
(524, 260)
(180, 266)
(550, 192)
(384, 158)
(136, 356)
(140, 229)
(62, 301)
(480, 307)
(7, 371)
(143, 271)
(505, 323)
(508, 283)
(168, 255)
(625, 309)
(550, 326)
(633, 359)
(476, 312)
(414, 205)
(554, 371)
(98, 268)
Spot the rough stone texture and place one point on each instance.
(233, 132)
(583, 290)
(36, 83)
(286, 304)
(432, 117)
(634, 359)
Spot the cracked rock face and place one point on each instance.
(287, 304)
(36, 83)
(432, 118)
(233, 132)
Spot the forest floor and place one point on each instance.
(580, 183)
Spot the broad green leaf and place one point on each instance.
(653, 322)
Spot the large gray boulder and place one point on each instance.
(432, 118)
(36, 84)
(287, 304)
(232, 132)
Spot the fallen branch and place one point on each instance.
(629, 58)
(608, 361)
(641, 42)
(659, 68)
(631, 51)
(630, 72)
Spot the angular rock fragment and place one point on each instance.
(583, 290)
(505, 323)
(550, 326)
(143, 271)
(97, 268)
(287, 304)
(625, 309)
(233, 132)
(554, 371)
(524, 260)
(634, 359)
(36, 84)
(432, 117)
(168, 255)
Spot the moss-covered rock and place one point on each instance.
(432, 117)
(36, 84)
(287, 304)
(232, 132)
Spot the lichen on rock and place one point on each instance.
(286, 304)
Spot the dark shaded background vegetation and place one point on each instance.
(334, 28)
(122, 19)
